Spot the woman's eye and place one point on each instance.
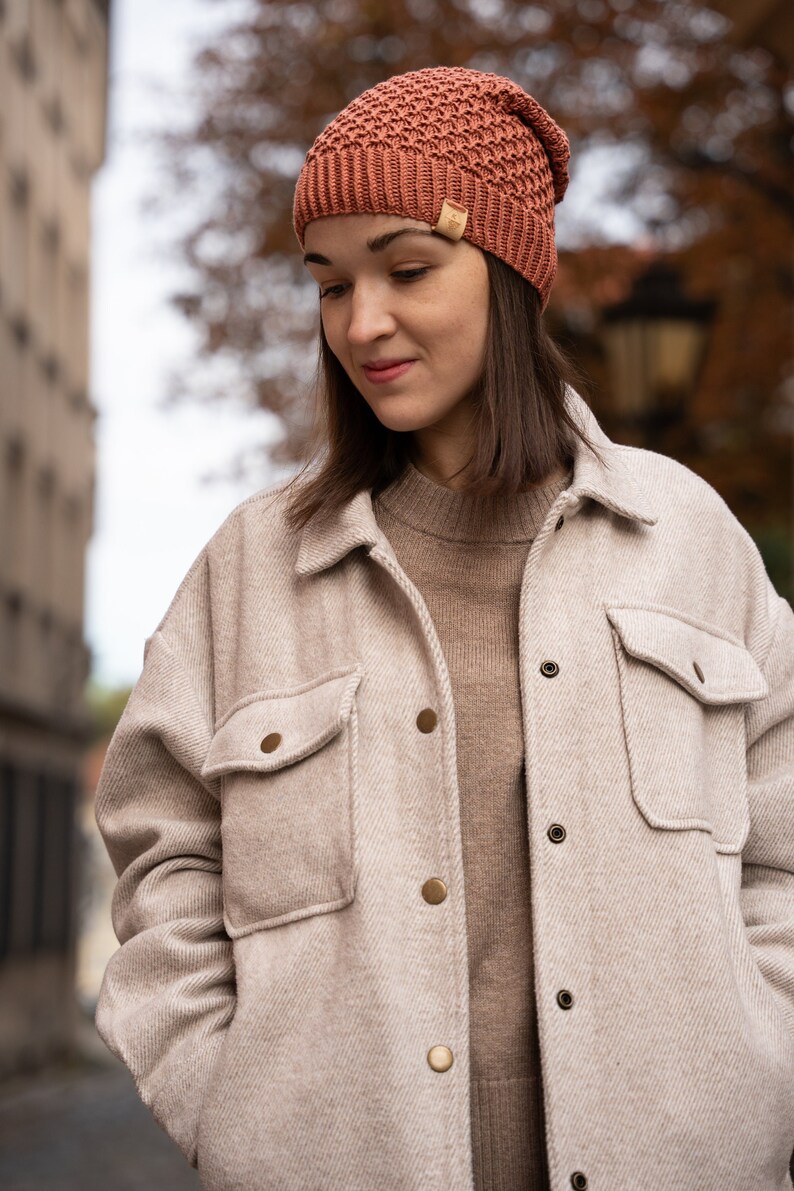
(336, 291)
(411, 274)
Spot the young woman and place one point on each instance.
(453, 808)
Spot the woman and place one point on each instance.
(452, 810)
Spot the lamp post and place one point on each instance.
(654, 342)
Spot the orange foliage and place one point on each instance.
(709, 179)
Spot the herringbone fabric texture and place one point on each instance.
(479, 139)
(282, 982)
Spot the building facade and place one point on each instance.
(53, 96)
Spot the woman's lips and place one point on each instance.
(381, 376)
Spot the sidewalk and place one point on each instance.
(82, 1127)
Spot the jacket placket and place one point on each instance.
(461, 1174)
(460, 1169)
(561, 979)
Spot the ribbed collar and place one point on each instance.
(457, 516)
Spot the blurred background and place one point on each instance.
(157, 338)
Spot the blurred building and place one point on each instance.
(53, 92)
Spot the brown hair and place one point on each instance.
(522, 430)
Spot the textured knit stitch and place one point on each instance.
(466, 556)
(408, 143)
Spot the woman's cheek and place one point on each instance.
(335, 337)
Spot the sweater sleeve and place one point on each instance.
(767, 892)
(168, 992)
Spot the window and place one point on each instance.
(37, 841)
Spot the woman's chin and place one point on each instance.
(404, 413)
(398, 413)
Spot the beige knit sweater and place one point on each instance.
(466, 556)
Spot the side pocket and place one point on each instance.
(288, 760)
(683, 688)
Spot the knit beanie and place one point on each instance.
(468, 152)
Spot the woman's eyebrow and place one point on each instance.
(375, 245)
(381, 242)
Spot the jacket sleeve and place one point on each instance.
(168, 992)
(767, 892)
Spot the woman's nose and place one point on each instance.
(370, 317)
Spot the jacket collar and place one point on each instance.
(328, 538)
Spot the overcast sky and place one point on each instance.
(154, 513)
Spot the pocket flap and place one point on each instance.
(304, 718)
(730, 672)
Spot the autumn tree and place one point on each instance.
(106, 705)
(700, 136)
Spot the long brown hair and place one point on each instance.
(522, 429)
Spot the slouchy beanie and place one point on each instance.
(468, 152)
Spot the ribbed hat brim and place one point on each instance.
(395, 182)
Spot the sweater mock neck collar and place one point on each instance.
(455, 515)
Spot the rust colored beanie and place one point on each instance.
(474, 139)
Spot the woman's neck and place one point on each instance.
(443, 472)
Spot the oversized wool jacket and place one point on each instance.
(282, 786)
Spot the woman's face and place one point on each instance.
(405, 311)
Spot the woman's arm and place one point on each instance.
(767, 895)
(168, 993)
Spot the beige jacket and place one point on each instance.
(282, 784)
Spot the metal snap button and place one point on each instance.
(564, 998)
(560, 522)
(434, 891)
(426, 720)
(549, 669)
(440, 1058)
(579, 1180)
(556, 833)
(271, 742)
(699, 672)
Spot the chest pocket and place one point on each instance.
(683, 690)
(288, 761)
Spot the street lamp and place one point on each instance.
(655, 342)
